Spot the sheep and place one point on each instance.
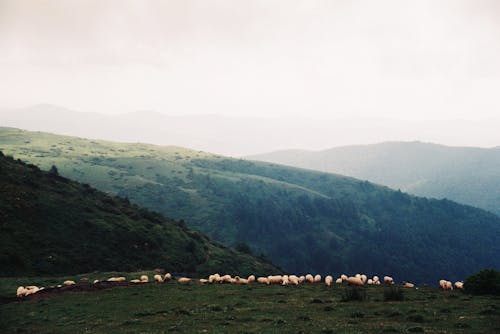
(167, 277)
(277, 279)
(355, 281)
(459, 285)
(445, 285)
(285, 280)
(317, 279)
(294, 280)
(135, 281)
(309, 278)
(240, 280)
(117, 279)
(251, 279)
(262, 280)
(68, 283)
(144, 278)
(302, 279)
(408, 285)
(363, 278)
(338, 281)
(370, 281)
(158, 278)
(328, 280)
(203, 280)
(95, 281)
(184, 280)
(215, 278)
(375, 279)
(388, 280)
(344, 277)
(226, 279)
(21, 291)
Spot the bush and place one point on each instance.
(484, 282)
(393, 293)
(353, 293)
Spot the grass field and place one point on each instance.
(170, 307)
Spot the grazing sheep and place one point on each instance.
(276, 279)
(95, 281)
(262, 280)
(309, 278)
(226, 279)
(459, 285)
(363, 278)
(240, 280)
(184, 280)
(158, 278)
(344, 277)
(388, 280)
(203, 280)
(302, 279)
(285, 280)
(317, 279)
(68, 283)
(20, 291)
(408, 285)
(251, 278)
(355, 281)
(167, 277)
(370, 281)
(328, 280)
(135, 281)
(338, 281)
(293, 280)
(144, 278)
(117, 279)
(375, 279)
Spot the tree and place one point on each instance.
(53, 170)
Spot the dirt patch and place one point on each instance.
(82, 287)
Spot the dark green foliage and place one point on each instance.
(53, 170)
(243, 247)
(304, 221)
(51, 225)
(353, 293)
(393, 293)
(484, 282)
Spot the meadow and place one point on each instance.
(227, 308)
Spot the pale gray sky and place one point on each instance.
(410, 60)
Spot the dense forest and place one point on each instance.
(52, 225)
(305, 221)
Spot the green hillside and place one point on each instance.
(51, 225)
(467, 175)
(303, 220)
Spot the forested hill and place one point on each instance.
(303, 220)
(468, 175)
(51, 225)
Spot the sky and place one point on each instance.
(406, 60)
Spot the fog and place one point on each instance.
(404, 61)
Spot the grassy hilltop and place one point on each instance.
(174, 308)
(305, 221)
(52, 225)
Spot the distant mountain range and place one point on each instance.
(239, 136)
(51, 225)
(305, 221)
(466, 175)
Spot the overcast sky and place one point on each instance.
(412, 60)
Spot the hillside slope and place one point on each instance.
(303, 220)
(51, 225)
(467, 175)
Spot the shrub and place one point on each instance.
(393, 293)
(484, 282)
(353, 293)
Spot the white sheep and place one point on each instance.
(158, 278)
(251, 278)
(144, 278)
(262, 280)
(184, 280)
(328, 280)
(317, 278)
(459, 285)
(167, 277)
(309, 278)
(68, 283)
(355, 281)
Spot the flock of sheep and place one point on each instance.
(357, 280)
